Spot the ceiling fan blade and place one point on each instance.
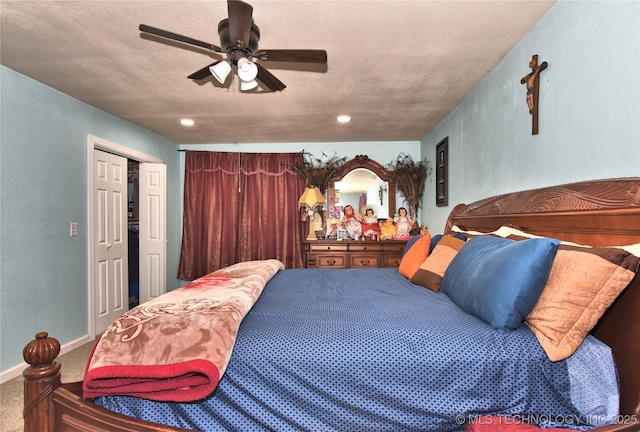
(240, 20)
(177, 37)
(267, 78)
(203, 73)
(293, 55)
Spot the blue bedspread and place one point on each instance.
(366, 350)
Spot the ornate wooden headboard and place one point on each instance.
(596, 213)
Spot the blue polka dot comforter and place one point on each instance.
(366, 350)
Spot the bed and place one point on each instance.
(361, 327)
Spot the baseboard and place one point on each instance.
(16, 371)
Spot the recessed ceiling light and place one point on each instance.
(187, 122)
(344, 119)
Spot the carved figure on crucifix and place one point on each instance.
(532, 80)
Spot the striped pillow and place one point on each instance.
(431, 271)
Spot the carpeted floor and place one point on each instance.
(11, 403)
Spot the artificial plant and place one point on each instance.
(410, 177)
(316, 171)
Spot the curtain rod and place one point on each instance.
(184, 150)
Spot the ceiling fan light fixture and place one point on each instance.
(248, 85)
(247, 70)
(239, 38)
(220, 71)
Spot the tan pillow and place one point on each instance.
(431, 271)
(582, 284)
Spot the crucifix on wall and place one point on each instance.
(532, 81)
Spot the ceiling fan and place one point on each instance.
(239, 38)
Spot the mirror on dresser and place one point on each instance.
(377, 191)
(349, 253)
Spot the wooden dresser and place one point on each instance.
(346, 254)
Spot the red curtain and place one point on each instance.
(240, 207)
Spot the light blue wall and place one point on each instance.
(43, 179)
(589, 111)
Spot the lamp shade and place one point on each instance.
(311, 197)
(247, 70)
(248, 85)
(220, 71)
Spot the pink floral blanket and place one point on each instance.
(176, 347)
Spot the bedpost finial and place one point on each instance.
(42, 350)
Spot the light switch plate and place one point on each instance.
(73, 229)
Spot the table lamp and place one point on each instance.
(311, 198)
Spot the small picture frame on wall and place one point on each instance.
(442, 150)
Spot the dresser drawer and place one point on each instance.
(366, 247)
(331, 261)
(353, 254)
(392, 260)
(325, 247)
(394, 247)
(365, 260)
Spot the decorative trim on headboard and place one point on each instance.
(590, 195)
(605, 212)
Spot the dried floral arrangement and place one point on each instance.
(410, 177)
(316, 171)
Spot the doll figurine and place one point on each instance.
(370, 225)
(352, 221)
(387, 230)
(403, 224)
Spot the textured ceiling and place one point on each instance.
(396, 67)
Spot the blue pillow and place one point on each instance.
(459, 235)
(500, 280)
(434, 242)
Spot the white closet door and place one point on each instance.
(153, 210)
(111, 274)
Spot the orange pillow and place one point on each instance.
(430, 273)
(415, 256)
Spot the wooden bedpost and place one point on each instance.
(40, 379)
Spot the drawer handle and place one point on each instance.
(362, 262)
(332, 262)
